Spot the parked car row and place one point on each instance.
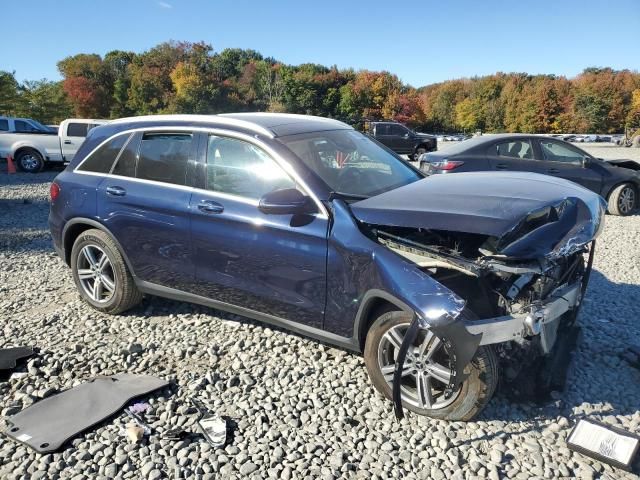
(305, 223)
(33, 145)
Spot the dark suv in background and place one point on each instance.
(402, 139)
(304, 223)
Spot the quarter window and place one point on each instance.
(240, 168)
(557, 152)
(163, 157)
(4, 125)
(516, 149)
(100, 161)
(77, 130)
(126, 163)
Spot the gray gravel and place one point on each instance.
(298, 409)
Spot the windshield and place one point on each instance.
(350, 162)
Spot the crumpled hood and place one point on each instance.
(528, 214)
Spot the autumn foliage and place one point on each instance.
(182, 77)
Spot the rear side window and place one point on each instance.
(4, 125)
(100, 160)
(163, 157)
(77, 130)
(516, 149)
(22, 126)
(382, 129)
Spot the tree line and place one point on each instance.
(182, 77)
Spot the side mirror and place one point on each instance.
(586, 161)
(406, 135)
(285, 201)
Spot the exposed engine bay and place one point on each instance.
(518, 305)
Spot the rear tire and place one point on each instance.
(95, 258)
(30, 161)
(623, 200)
(471, 397)
(419, 151)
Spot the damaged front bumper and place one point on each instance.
(541, 319)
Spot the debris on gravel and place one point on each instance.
(296, 408)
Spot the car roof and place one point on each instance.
(269, 124)
(483, 140)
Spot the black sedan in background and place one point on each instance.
(618, 181)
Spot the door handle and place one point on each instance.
(553, 170)
(502, 166)
(209, 206)
(116, 191)
(67, 142)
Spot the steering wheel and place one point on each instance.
(349, 178)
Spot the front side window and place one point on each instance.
(240, 168)
(163, 157)
(557, 152)
(516, 149)
(350, 162)
(100, 160)
(398, 130)
(77, 130)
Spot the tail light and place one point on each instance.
(54, 191)
(446, 164)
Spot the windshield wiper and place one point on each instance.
(346, 196)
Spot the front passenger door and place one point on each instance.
(565, 161)
(269, 263)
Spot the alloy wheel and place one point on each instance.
(627, 200)
(96, 274)
(427, 368)
(29, 162)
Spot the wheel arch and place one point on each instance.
(374, 304)
(74, 227)
(26, 147)
(636, 187)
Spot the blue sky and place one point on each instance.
(420, 41)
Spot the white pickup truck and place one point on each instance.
(32, 145)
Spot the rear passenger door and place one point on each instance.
(515, 154)
(273, 264)
(144, 202)
(383, 134)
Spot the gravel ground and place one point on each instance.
(297, 409)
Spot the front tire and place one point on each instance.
(623, 200)
(426, 369)
(101, 274)
(30, 161)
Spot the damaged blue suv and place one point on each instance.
(307, 224)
